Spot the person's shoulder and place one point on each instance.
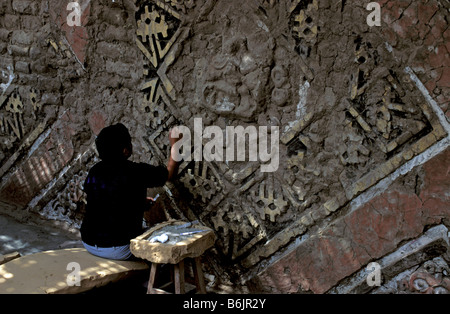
(147, 174)
(139, 166)
(135, 164)
(97, 167)
(144, 168)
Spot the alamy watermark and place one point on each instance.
(74, 17)
(374, 277)
(228, 145)
(374, 18)
(74, 278)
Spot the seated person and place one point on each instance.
(116, 190)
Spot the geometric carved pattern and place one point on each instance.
(14, 107)
(199, 183)
(255, 214)
(157, 30)
(69, 203)
(24, 124)
(304, 29)
(430, 278)
(269, 205)
(391, 124)
(239, 230)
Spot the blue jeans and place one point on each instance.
(121, 253)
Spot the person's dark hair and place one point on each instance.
(111, 142)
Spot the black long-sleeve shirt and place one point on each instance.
(116, 200)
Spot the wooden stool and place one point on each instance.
(178, 278)
(175, 255)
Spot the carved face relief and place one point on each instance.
(231, 82)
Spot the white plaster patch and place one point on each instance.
(301, 106)
(437, 110)
(10, 75)
(263, 26)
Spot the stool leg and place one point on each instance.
(151, 280)
(179, 278)
(198, 275)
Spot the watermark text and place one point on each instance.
(374, 276)
(74, 278)
(374, 18)
(74, 17)
(228, 145)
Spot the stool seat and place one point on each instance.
(172, 252)
(175, 253)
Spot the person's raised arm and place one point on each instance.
(172, 165)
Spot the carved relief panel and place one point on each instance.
(255, 63)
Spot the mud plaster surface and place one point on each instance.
(216, 46)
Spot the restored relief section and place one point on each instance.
(349, 115)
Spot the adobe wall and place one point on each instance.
(362, 113)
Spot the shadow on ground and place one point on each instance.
(32, 237)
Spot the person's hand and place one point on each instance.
(172, 165)
(150, 201)
(172, 136)
(155, 213)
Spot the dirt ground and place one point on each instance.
(34, 235)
